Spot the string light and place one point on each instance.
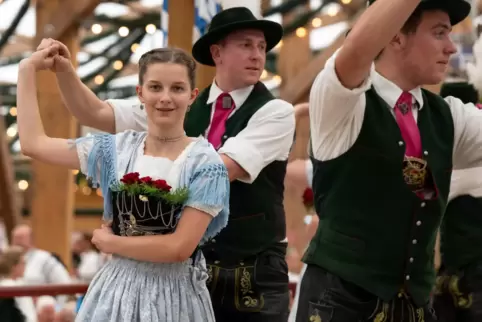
(123, 31)
(277, 79)
(13, 111)
(279, 44)
(332, 11)
(22, 185)
(346, 1)
(134, 47)
(86, 190)
(117, 65)
(75, 172)
(96, 28)
(11, 131)
(150, 28)
(317, 22)
(301, 32)
(98, 192)
(264, 74)
(99, 79)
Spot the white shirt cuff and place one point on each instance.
(247, 156)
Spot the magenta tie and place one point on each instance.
(224, 106)
(408, 126)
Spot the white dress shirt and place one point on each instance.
(466, 182)
(90, 263)
(336, 116)
(43, 268)
(309, 173)
(24, 303)
(267, 137)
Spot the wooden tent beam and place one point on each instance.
(181, 22)
(181, 25)
(52, 206)
(9, 211)
(298, 87)
(67, 14)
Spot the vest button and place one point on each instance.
(411, 259)
(419, 223)
(407, 277)
(422, 204)
(414, 242)
(216, 262)
(213, 241)
(400, 143)
(425, 152)
(225, 136)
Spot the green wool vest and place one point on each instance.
(256, 218)
(374, 231)
(461, 233)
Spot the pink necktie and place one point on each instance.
(408, 126)
(224, 106)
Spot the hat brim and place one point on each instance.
(457, 10)
(273, 33)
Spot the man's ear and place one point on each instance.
(398, 41)
(215, 53)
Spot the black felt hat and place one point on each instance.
(229, 20)
(457, 10)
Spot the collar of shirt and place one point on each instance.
(239, 95)
(391, 92)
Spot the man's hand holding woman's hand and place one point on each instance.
(51, 54)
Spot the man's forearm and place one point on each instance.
(378, 25)
(83, 103)
(373, 31)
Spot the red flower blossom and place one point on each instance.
(161, 185)
(130, 178)
(308, 197)
(146, 180)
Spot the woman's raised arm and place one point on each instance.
(33, 140)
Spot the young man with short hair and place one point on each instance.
(383, 150)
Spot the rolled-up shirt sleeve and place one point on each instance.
(128, 115)
(336, 113)
(467, 120)
(267, 137)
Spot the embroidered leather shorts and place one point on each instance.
(324, 297)
(252, 289)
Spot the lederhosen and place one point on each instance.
(248, 274)
(458, 293)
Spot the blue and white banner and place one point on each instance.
(204, 11)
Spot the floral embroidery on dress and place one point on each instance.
(144, 206)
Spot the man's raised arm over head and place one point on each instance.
(376, 27)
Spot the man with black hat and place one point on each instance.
(383, 150)
(458, 295)
(253, 132)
